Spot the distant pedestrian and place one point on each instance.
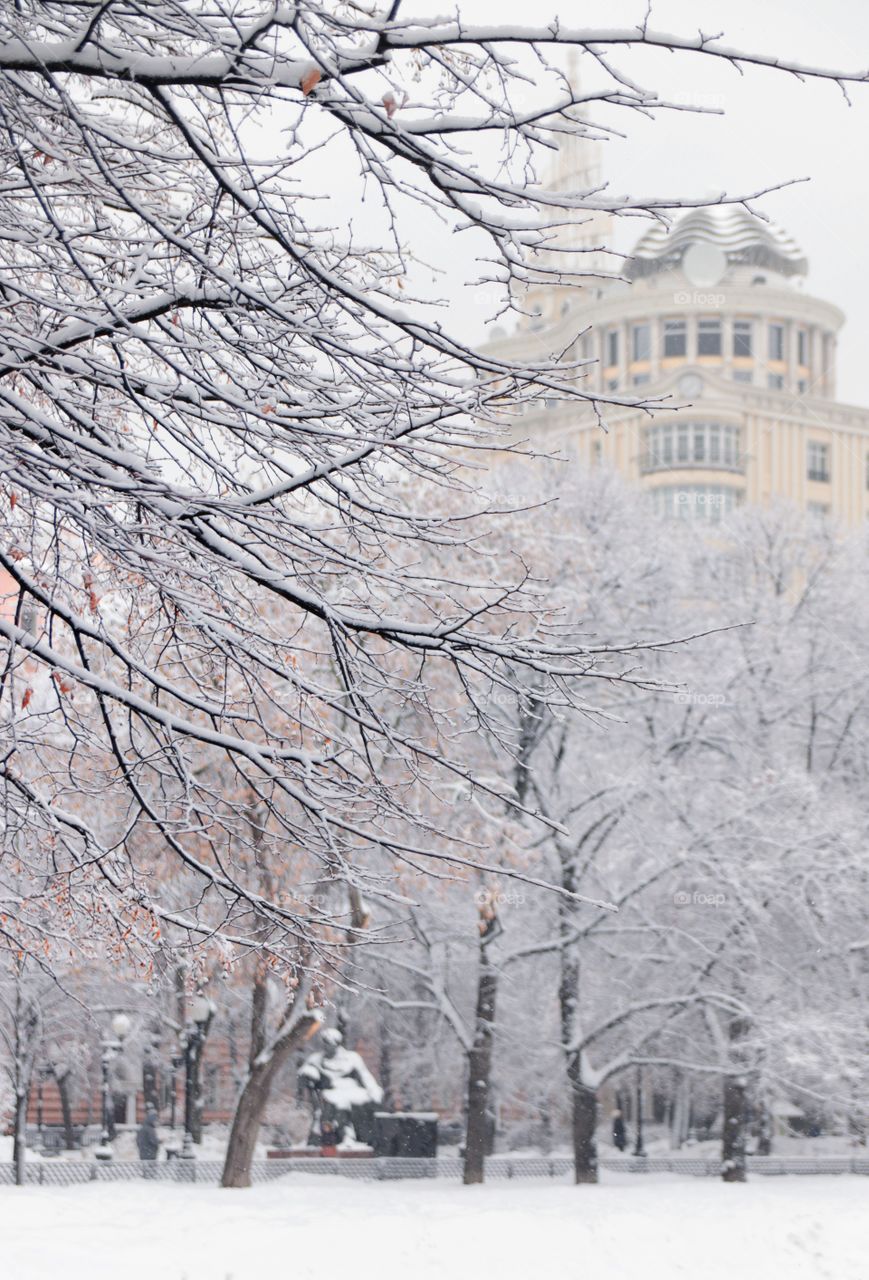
(620, 1138)
(148, 1140)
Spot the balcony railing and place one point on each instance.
(651, 462)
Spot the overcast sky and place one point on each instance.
(774, 128)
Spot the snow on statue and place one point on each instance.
(339, 1081)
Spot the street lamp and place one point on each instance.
(176, 1061)
(110, 1046)
(639, 1149)
(42, 1076)
(202, 1012)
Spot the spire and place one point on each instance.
(576, 168)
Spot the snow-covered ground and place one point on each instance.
(654, 1228)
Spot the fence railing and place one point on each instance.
(72, 1172)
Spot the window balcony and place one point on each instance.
(693, 446)
(650, 463)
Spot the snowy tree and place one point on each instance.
(730, 848)
(239, 442)
(226, 434)
(215, 404)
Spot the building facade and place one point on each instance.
(714, 325)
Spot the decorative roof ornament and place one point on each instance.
(742, 238)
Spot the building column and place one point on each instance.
(826, 364)
(691, 337)
(624, 355)
(791, 356)
(814, 360)
(727, 345)
(656, 349)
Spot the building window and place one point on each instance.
(776, 342)
(641, 339)
(818, 461)
(692, 444)
(802, 347)
(612, 384)
(612, 347)
(743, 375)
(640, 379)
(802, 386)
(714, 443)
(675, 338)
(819, 510)
(709, 337)
(659, 450)
(596, 451)
(683, 443)
(775, 381)
(742, 337)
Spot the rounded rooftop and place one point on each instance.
(741, 237)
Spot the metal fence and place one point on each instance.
(207, 1172)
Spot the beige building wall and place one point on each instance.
(716, 333)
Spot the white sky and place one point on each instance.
(774, 128)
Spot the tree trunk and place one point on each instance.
(246, 1123)
(546, 1143)
(735, 1089)
(265, 1063)
(179, 977)
(62, 1082)
(764, 1131)
(583, 1099)
(19, 1139)
(479, 1072)
(254, 1097)
(584, 1126)
(681, 1112)
(386, 1063)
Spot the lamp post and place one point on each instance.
(176, 1061)
(639, 1149)
(110, 1046)
(202, 1013)
(42, 1076)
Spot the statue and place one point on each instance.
(339, 1081)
